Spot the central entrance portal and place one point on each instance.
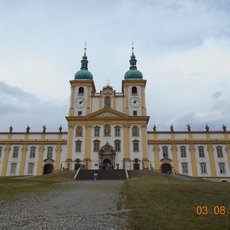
(106, 156)
(166, 168)
(106, 164)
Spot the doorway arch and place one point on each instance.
(48, 168)
(166, 168)
(106, 163)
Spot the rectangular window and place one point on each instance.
(183, 152)
(134, 113)
(96, 146)
(117, 146)
(117, 132)
(78, 146)
(201, 152)
(203, 168)
(165, 152)
(0, 152)
(32, 152)
(184, 168)
(50, 152)
(135, 147)
(219, 152)
(30, 168)
(79, 113)
(15, 152)
(96, 131)
(222, 168)
(13, 168)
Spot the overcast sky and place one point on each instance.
(182, 48)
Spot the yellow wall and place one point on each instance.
(5, 161)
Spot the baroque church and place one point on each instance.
(109, 129)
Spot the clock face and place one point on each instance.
(134, 102)
(80, 102)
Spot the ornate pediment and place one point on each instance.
(107, 149)
(107, 112)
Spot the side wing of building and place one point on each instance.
(32, 153)
(198, 154)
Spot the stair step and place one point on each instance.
(102, 174)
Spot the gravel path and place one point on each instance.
(78, 205)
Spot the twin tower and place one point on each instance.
(107, 128)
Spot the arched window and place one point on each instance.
(135, 131)
(32, 152)
(81, 90)
(165, 151)
(107, 102)
(134, 90)
(50, 152)
(79, 131)
(107, 130)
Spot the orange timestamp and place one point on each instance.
(216, 210)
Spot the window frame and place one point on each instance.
(15, 152)
(201, 151)
(203, 166)
(78, 146)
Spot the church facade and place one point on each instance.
(108, 129)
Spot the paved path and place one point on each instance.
(78, 205)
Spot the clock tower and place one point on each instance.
(80, 105)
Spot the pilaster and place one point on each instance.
(212, 161)
(174, 157)
(88, 146)
(193, 160)
(40, 159)
(126, 142)
(23, 160)
(6, 159)
(156, 150)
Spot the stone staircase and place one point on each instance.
(102, 174)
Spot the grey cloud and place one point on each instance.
(20, 109)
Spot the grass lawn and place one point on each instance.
(165, 202)
(14, 186)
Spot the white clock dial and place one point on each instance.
(80, 102)
(134, 102)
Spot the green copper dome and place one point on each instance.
(83, 73)
(133, 73)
